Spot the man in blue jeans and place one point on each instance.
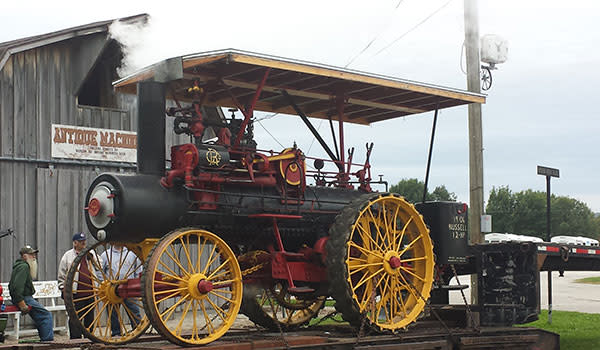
(22, 291)
(119, 263)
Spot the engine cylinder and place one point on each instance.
(131, 208)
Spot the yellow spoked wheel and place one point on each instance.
(380, 262)
(103, 294)
(192, 287)
(274, 308)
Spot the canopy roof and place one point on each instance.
(368, 97)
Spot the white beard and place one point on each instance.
(33, 268)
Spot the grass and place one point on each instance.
(578, 331)
(590, 280)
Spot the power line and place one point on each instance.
(413, 28)
(259, 123)
(372, 40)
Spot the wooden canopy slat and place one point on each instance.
(368, 98)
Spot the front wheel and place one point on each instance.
(92, 297)
(192, 287)
(380, 262)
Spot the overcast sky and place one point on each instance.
(540, 110)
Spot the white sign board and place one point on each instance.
(486, 223)
(77, 142)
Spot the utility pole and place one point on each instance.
(475, 133)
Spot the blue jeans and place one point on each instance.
(42, 319)
(134, 310)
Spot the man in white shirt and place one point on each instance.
(80, 299)
(119, 264)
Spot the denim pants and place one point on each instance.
(42, 318)
(134, 310)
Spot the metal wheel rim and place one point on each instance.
(164, 294)
(100, 328)
(391, 298)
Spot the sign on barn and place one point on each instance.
(76, 142)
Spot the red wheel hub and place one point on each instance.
(205, 286)
(394, 262)
(94, 207)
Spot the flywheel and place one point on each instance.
(192, 286)
(274, 308)
(380, 262)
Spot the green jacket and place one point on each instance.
(20, 284)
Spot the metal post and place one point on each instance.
(430, 152)
(548, 173)
(548, 236)
(475, 134)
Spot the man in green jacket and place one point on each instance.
(22, 291)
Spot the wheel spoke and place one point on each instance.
(176, 261)
(217, 269)
(410, 245)
(185, 311)
(413, 259)
(365, 251)
(363, 279)
(187, 253)
(172, 308)
(222, 314)
(206, 318)
(413, 274)
(399, 242)
(172, 273)
(210, 259)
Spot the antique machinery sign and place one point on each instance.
(77, 142)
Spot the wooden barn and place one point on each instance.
(61, 79)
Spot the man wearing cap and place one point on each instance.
(22, 291)
(80, 298)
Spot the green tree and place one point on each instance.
(525, 213)
(501, 205)
(412, 190)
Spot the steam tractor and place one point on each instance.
(227, 227)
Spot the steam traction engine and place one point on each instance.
(229, 228)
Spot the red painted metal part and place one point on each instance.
(94, 207)
(321, 248)
(394, 262)
(205, 286)
(248, 113)
(131, 289)
(297, 270)
(275, 216)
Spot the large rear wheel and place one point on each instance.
(380, 262)
(192, 287)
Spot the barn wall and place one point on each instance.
(42, 200)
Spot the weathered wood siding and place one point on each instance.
(41, 203)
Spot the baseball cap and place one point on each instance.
(79, 236)
(28, 250)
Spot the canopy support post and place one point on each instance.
(343, 176)
(249, 111)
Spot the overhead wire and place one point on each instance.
(413, 28)
(268, 132)
(372, 40)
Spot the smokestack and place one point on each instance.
(151, 128)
